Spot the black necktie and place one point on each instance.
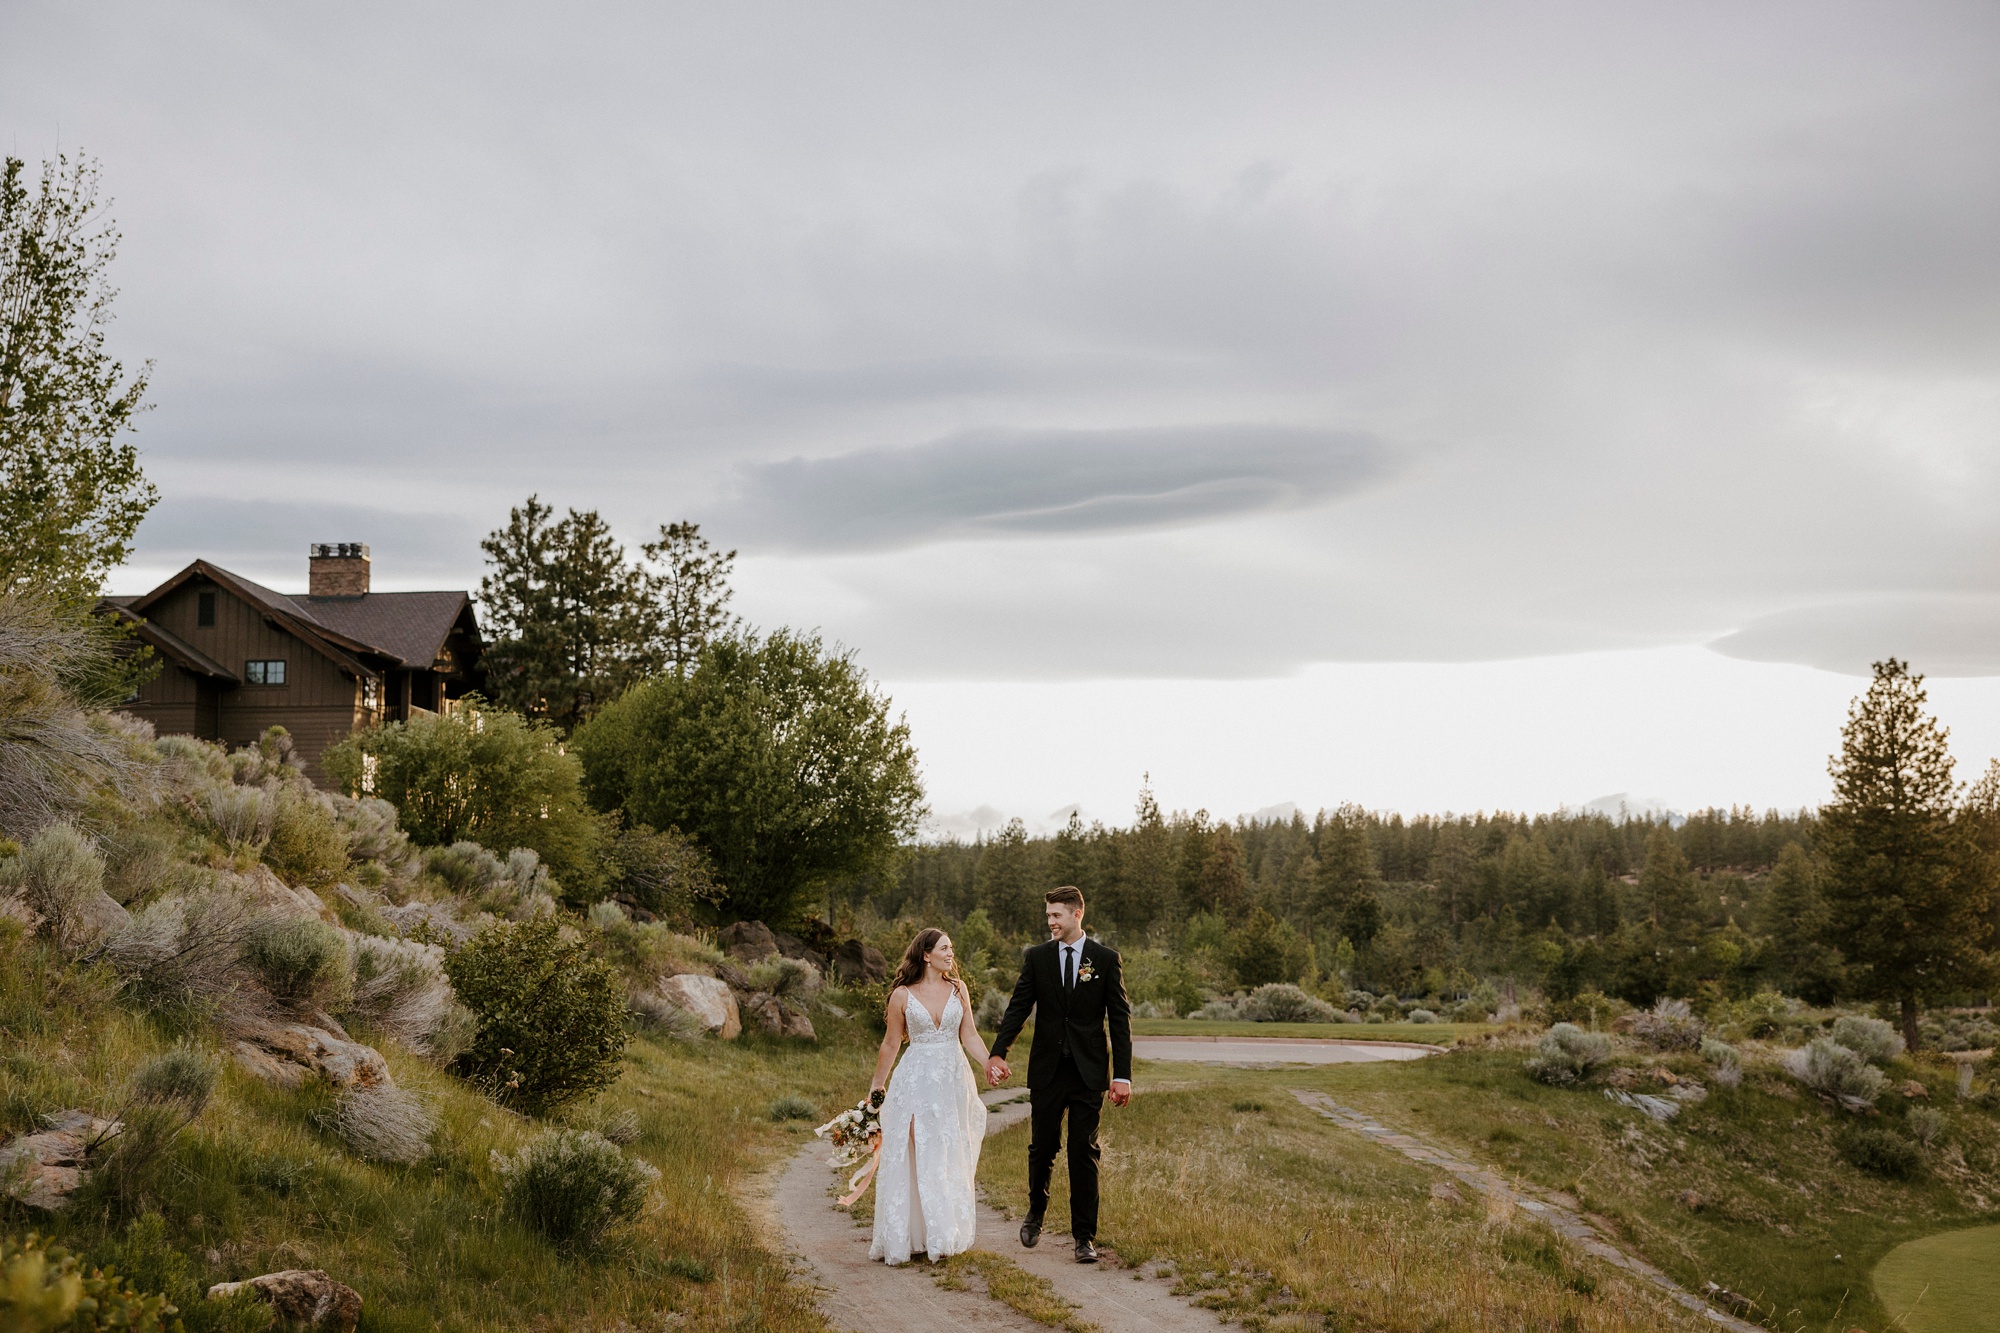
(1069, 967)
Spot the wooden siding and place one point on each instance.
(318, 703)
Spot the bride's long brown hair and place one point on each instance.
(911, 970)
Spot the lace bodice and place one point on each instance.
(933, 1124)
(918, 1019)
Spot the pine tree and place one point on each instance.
(1344, 898)
(690, 594)
(1667, 886)
(1795, 918)
(1907, 894)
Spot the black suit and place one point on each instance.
(1070, 1065)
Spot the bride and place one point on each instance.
(932, 1119)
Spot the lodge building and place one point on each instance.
(238, 657)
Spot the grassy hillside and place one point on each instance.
(1747, 1189)
(260, 1181)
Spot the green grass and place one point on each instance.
(1013, 1286)
(1746, 1190)
(260, 1183)
(1435, 1034)
(1947, 1283)
(1264, 1212)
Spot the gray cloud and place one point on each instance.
(1044, 483)
(266, 540)
(1939, 634)
(1677, 321)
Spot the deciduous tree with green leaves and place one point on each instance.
(774, 753)
(1907, 892)
(71, 489)
(481, 774)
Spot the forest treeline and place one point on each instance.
(1720, 905)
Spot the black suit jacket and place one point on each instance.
(1073, 1021)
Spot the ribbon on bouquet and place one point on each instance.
(859, 1182)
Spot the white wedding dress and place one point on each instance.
(933, 1124)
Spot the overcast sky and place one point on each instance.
(1229, 392)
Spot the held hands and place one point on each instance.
(997, 1072)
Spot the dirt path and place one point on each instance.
(857, 1293)
(1558, 1211)
(1255, 1051)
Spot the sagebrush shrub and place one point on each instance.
(400, 989)
(551, 1015)
(656, 1012)
(1870, 1038)
(1422, 1016)
(794, 1108)
(1881, 1152)
(1281, 1002)
(1827, 1066)
(574, 1186)
(183, 1077)
(1718, 1052)
(372, 831)
(385, 1124)
(1566, 1053)
(307, 844)
(241, 816)
(1669, 1025)
(305, 959)
(181, 950)
(1925, 1124)
(606, 915)
(58, 873)
(1222, 1009)
(786, 978)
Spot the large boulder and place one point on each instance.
(854, 961)
(287, 1054)
(771, 1016)
(264, 891)
(301, 1296)
(707, 998)
(751, 941)
(43, 1169)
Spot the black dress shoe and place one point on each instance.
(1086, 1252)
(1031, 1231)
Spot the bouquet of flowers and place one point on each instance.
(856, 1135)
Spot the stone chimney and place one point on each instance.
(337, 569)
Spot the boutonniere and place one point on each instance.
(1085, 973)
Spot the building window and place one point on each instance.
(268, 672)
(204, 608)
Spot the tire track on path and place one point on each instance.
(1537, 1203)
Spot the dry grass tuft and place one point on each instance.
(1013, 1286)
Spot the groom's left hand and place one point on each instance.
(1121, 1091)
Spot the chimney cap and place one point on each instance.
(339, 550)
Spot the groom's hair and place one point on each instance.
(1068, 893)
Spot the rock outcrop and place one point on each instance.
(707, 998)
(301, 1296)
(854, 961)
(287, 1054)
(43, 1169)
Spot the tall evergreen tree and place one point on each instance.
(1224, 887)
(1007, 882)
(568, 613)
(1345, 893)
(1796, 920)
(1667, 887)
(690, 593)
(1906, 892)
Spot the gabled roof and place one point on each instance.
(391, 628)
(170, 646)
(411, 625)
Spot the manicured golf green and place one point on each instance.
(1947, 1283)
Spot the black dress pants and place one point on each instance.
(1067, 1093)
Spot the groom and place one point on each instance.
(1073, 986)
